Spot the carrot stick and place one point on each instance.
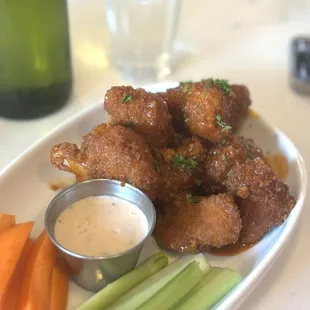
(36, 283)
(12, 243)
(6, 221)
(12, 293)
(59, 286)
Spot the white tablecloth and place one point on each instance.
(245, 41)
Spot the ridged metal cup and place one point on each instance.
(95, 272)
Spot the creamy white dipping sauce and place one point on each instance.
(100, 226)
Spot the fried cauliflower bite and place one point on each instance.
(264, 200)
(238, 167)
(65, 156)
(177, 168)
(223, 156)
(191, 147)
(145, 113)
(172, 180)
(240, 105)
(195, 224)
(204, 108)
(212, 109)
(175, 99)
(207, 111)
(109, 151)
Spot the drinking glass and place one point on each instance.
(141, 37)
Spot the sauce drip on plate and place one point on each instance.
(252, 114)
(231, 249)
(279, 165)
(60, 184)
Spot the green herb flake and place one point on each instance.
(198, 182)
(220, 123)
(229, 173)
(185, 115)
(128, 124)
(126, 98)
(191, 199)
(184, 163)
(208, 82)
(186, 89)
(218, 119)
(249, 151)
(226, 128)
(223, 84)
(244, 105)
(186, 83)
(155, 165)
(186, 86)
(224, 158)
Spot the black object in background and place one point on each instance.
(300, 65)
(35, 64)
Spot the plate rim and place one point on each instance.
(243, 290)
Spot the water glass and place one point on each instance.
(141, 37)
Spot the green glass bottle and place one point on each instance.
(35, 64)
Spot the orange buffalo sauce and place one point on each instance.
(231, 249)
(279, 165)
(252, 114)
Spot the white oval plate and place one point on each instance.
(25, 192)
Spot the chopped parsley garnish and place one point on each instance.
(126, 98)
(218, 119)
(186, 89)
(223, 84)
(220, 123)
(184, 163)
(229, 173)
(186, 86)
(248, 150)
(227, 127)
(186, 83)
(128, 124)
(185, 116)
(191, 199)
(245, 104)
(155, 165)
(224, 158)
(207, 83)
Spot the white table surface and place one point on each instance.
(245, 41)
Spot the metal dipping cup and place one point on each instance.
(94, 272)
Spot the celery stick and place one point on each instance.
(208, 277)
(211, 289)
(119, 287)
(142, 292)
(169, 295)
